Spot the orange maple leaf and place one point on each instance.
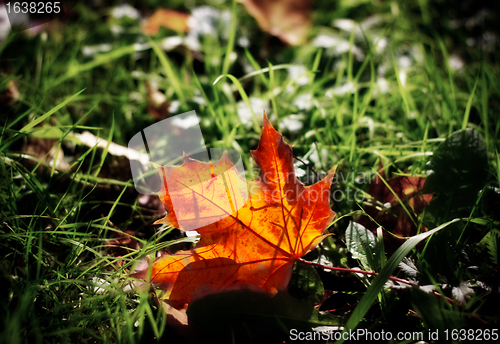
(254, 246)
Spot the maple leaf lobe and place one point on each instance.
(198, 194)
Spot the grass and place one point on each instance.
(62, 278)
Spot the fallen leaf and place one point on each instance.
(393, 217)
(253, 247)
(158, 105)
(47, 151)
(170, 19)
(122, 244)
(285, 19)
(10, 94)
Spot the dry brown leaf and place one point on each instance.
(170, 19)
(395, 218)
(286, 19)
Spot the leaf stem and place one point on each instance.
(334, 268)
(305, 163)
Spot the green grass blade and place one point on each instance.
(168, 69)
(272, 85)
(230, 43)
(378, 283)
(105, 150)
(244, 96)
(261, 71)
(101, 59)
(27, 128)
(469, 104)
